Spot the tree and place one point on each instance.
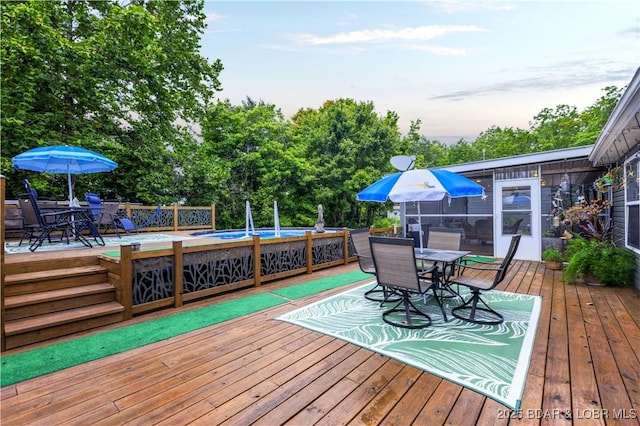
(348, 147)
(248, 146)
(108, 76)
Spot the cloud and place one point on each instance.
(563, 75)
(213, 17)
(381, 35)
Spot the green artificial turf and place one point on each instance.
(32, 363)
(312, 287)
(470, 260)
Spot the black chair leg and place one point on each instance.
(474, 304)
(382, 294)
(411, 313)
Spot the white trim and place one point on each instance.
(610, 147)
(518, 160)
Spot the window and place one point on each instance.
(632, 202)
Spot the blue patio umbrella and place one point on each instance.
(420, 185)
(63, 159)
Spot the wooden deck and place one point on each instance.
(254, 370)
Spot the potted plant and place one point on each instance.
(599, 262)
(553, 258)
(591, 253)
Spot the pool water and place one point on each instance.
(234, 235)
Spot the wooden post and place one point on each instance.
(176, 225)
(126, 281)
(256, 260)
(213, 217)
(3, 342)
(309, 252)
(346, 245)
(177, 273)
(127, 209)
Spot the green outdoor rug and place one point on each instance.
(110, 241)
(491, 360)
(32, 363)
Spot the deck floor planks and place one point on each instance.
(584, 389)
(624, 340)
(438, 407)
(557, 390)
(408, 408)
(213, 387)
(608, 378)
(323, 385)
(289, 381)
(369, 391)
(379, 407)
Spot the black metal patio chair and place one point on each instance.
(475, 309)
(396, 268)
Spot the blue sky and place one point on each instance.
(459, 67)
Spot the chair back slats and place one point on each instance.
(33, 201)
(395, 262)
(94, 203)
(360, 241)
(504, 266)
(28, 212)
(109, 213)
(444, 240)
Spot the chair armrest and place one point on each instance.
(423, 273)
(364, 256)
(480, 268)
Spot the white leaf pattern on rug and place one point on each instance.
(492, 360)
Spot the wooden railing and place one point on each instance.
(2, 268)
(162, 278)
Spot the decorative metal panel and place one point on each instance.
(140, 216)
(327, 250)
(213, 268)
(152, 279)
(194, 217)
(281, 257)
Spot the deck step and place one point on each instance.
(59, 318)
(33, 282)
(46, 275)
(30, 330)
(44, 302)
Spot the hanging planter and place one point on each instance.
(603, 184)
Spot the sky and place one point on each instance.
(460, 67)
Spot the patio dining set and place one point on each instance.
(40, 220)
(403, 271)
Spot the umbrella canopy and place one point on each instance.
(517, 200)
(63, 159)
(420, 185)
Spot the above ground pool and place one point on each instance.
(264, 233)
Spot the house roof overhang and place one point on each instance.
(621, 135)
(521, 160)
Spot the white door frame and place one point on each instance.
(531, 241)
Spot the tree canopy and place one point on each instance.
(127, 80)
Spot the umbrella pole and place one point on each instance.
(420, 227)
(70, 187)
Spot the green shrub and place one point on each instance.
(607, 263)
(553, 255)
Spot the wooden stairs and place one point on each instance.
(58, 298)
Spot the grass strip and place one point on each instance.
(316, 286)
(47, 359)
(470, 260)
